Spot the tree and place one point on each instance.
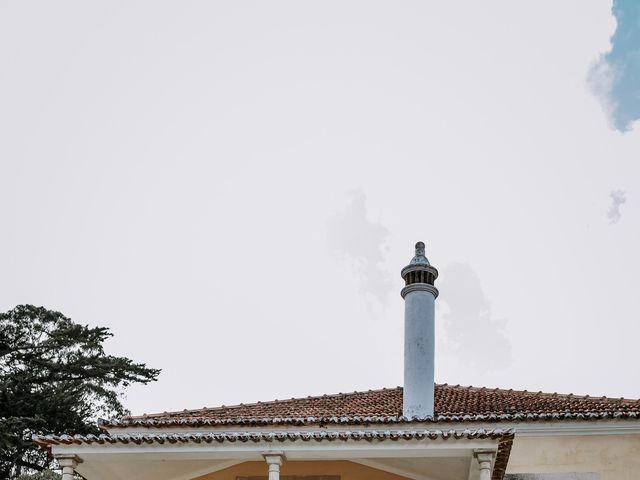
(55, 378)
(43, 475)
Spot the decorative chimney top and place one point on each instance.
(419, 274)
(420, 258)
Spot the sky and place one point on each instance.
(233, 188)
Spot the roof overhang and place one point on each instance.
(414, 454)
(537, 427)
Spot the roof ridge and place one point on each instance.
(228, 410)
(268, 402)
(538, 393)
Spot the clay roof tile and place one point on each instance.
(451, 403)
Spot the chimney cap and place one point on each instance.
(420, 258)
(419, 263)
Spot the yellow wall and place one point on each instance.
(615, 457)
(346, 470)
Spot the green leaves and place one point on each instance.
(43, 475)
(55, 378)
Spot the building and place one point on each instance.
(419, 432)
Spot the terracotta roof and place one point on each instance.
(305, 436)
(452, 403)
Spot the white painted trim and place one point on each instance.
(419, 287)
(535, 428)
(394, 470)
(569, 428)
(209, 469)
(557, 428)
(312, 450)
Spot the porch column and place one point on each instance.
(274, 460)
(484, 458)
(68, 464)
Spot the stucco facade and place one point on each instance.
(344, 469)
(610, 457)
(562, 457)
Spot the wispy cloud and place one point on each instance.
(615, 77)
(618, 197)
(470, 332)
(352, 237)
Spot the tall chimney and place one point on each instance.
(419, 296)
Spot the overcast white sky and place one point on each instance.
(233, 187)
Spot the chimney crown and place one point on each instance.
(419, 258)
(419, 274)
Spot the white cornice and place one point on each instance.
(419, 287)
(535, 428)
(563, 428)
(587, 428)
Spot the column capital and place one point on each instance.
(484, 454)
(274, 457)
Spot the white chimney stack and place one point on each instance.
(419, 296)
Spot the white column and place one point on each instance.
(68, 464)
(484, 459)
(274, 460)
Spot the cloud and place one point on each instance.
(353, 238)
(618, 197)
(469, 331)
(615, 77)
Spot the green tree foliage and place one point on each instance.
(43, 475)
(55, 378)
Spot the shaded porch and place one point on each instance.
(319, 455)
